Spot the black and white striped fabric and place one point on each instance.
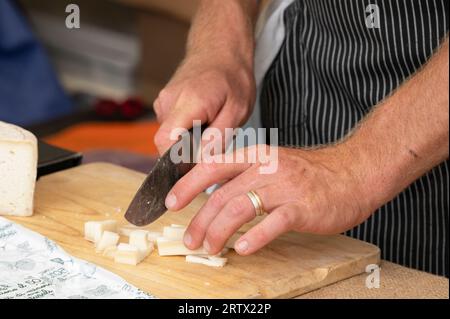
(330, 71)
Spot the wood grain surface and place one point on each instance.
(290, 266)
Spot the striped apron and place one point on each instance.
(329, 73)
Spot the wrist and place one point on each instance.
(378, 173)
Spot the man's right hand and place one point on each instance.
(215, 83)
(220, 94)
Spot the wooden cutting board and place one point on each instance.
(292, 265)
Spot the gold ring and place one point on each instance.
(257, 203)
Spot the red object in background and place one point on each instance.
(106, 108)
(130, 109)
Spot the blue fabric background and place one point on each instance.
(29, 90)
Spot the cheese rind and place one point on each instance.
(18, 170)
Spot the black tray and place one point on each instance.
(53, 159)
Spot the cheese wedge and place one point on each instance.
(18, 169)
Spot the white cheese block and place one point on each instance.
(167, 247)
(174, 232)
(18, 169)
(108, 239)
(152, 236)
(93, 230)
(207, 261)
(110, 251)
(128, 254)
(139, 239)
(127, 229)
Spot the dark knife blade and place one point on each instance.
(149, 202)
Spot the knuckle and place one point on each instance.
(235, 207)
(164, 94)
(210, 169)
(261, 236)
(159, 138)
(213, 237)
(287, 219)
(190, 93)
(196, 228)
(217, 198)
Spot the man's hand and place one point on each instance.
(312, 191)
(215, 82)
(330, 189)
(221, 94)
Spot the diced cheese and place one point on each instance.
(211, 261)
(174, 233)
(126, 230)
(93, 230)
(177, 226)
(167, 247)
(18, 169)
(108, 239)
(152, 236)
(128, 254)
(139, 239)
(110, 251)
(126, 247)
(224, 251)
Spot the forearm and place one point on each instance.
(223, 29)
(406, 135)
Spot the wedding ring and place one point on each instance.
(257, 203)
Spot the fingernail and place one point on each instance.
(171, 201)
(206, 246)
(242, 246)
(187, 239)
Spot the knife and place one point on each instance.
(149, 202)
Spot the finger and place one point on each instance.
(227, 210)
(181, 119)
(186, 110)
(157, 109)
(198, 226)
(166, 99)
(280, 221)
(238, 211)
(198, 179)
(218, 140)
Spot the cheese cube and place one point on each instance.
(167, 247)
(108, 239)
(211, 261)
(139, 239)
(174, 232)
(18, 169)
(110, 251)
(128, 254)
(93, 230)
(152, 236)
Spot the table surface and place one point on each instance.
(395, 282)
